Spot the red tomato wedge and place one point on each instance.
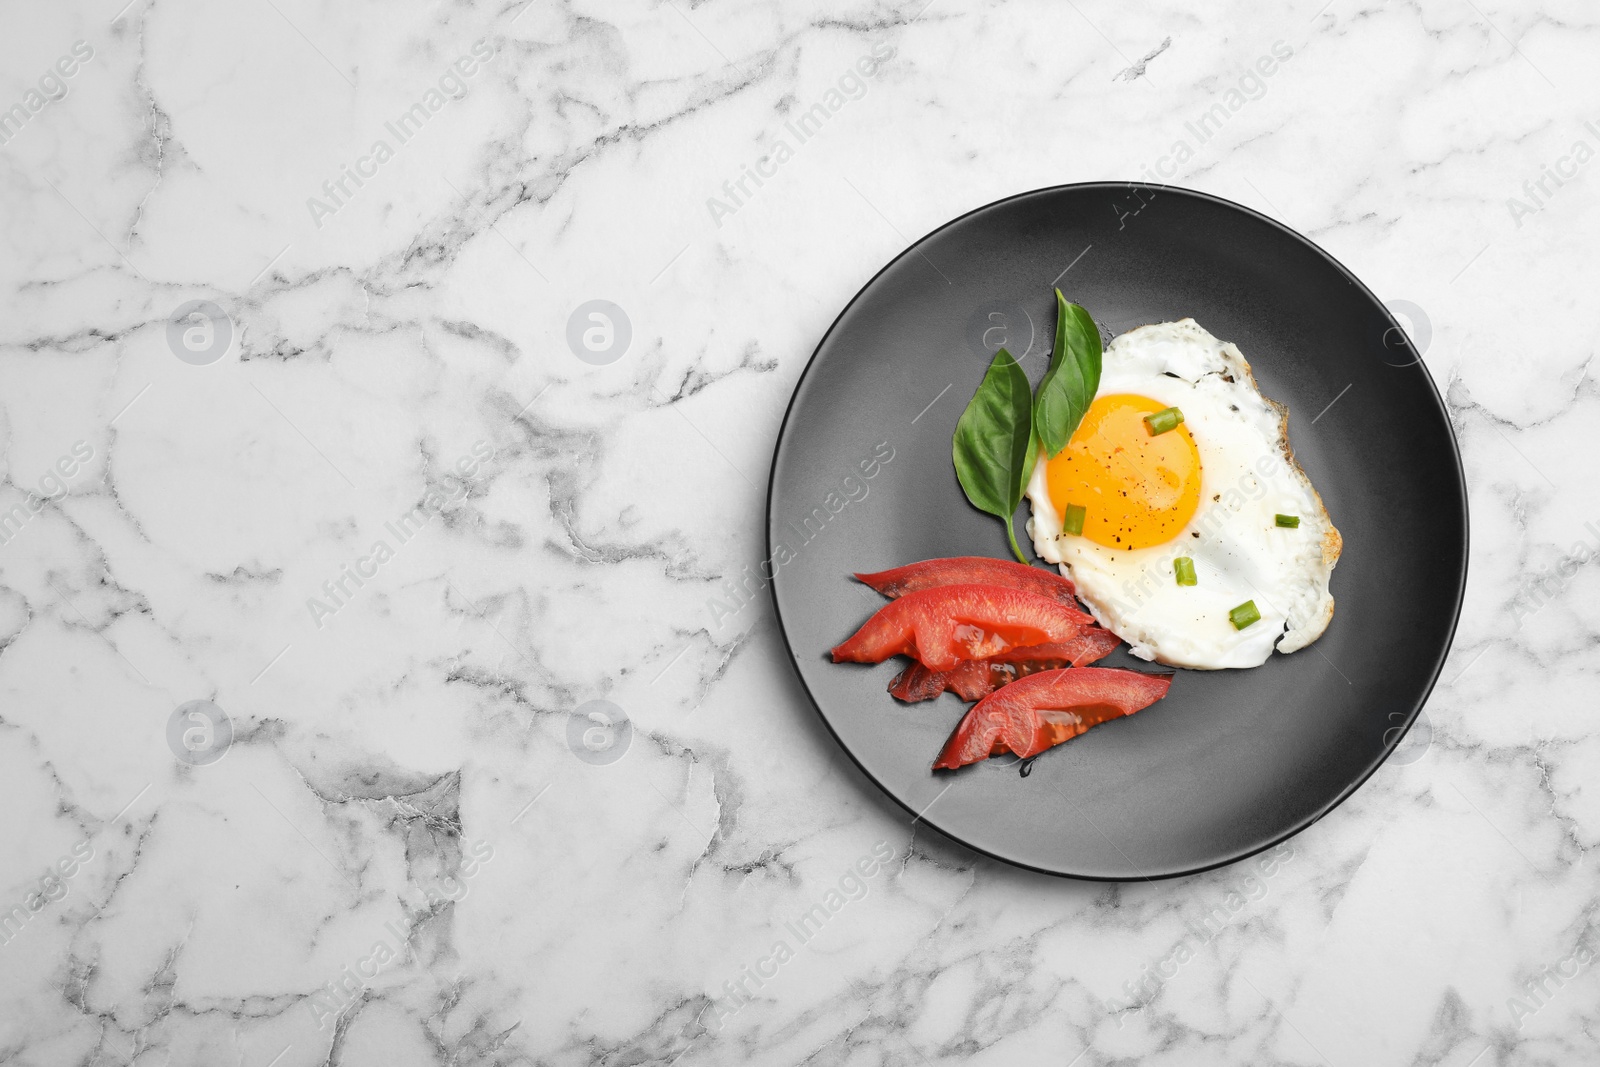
(917, 683)
(977, 678)
(971, 570)
(1087, 646)
(942, 626)
(1043, 710)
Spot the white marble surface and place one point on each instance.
(400, 766)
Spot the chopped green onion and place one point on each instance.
(1072, 521)
(1183, 567)
(1289, 522)
(1244, 615)
(1163, 421)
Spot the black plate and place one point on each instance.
(1230, 762)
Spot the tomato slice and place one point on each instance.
(942, 626)
(1043, 710)
(971, 570)
(977, 678)
(1083, 648)
(917, 683)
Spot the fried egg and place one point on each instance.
(1222, 490)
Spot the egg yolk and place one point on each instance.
(1137, 489)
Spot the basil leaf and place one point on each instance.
(1074, 375)
(994, 447)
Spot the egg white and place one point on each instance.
(1248, 477)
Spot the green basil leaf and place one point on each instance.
(1074, 375)
(1027, 463)
(994, 447)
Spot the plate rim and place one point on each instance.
(1440, 407)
